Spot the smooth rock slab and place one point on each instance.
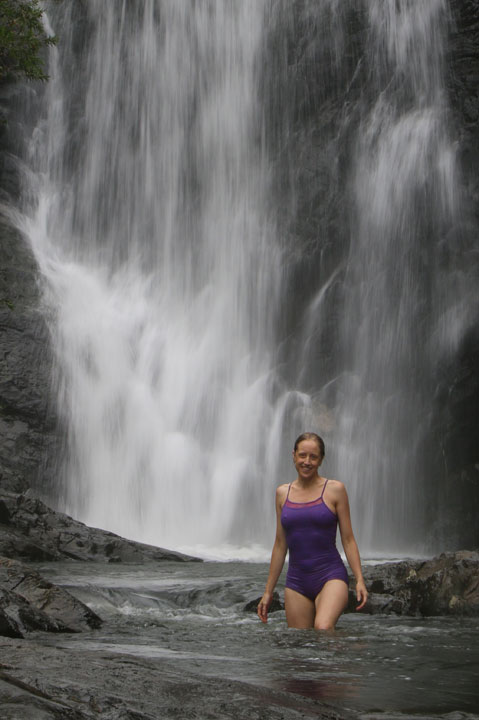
(19, 701)
(90, 684)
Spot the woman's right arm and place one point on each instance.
(277, 558)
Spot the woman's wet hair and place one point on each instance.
(311, 436)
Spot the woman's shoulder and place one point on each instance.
(336, 486)
(281, 494)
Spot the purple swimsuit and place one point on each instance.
(310, 530)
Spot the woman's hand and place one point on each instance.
(263, 606)
(361, 594)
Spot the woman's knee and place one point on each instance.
(323, 624)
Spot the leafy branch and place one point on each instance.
(22, 40)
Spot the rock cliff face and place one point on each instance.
(458, 382)
(30, 440)
(462, 83)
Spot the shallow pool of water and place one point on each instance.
(193, 614)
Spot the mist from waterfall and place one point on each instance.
(167, 263)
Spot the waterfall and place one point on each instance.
(163, 266)
(192, 329)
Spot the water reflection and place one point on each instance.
(323, 666)
(320, 688)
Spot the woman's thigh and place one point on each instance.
(300, 610)
(330, 603)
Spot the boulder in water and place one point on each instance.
(29, 602)
(446, 585)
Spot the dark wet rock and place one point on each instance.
(462, 83)
(34, 532)
(445, 585)
(453, 487)
(18, 616)
(4, 513)
(33, 603)
(31, 434)
(276, 604)
(28, 424)
(20, 701)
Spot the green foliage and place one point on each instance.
(22, 39)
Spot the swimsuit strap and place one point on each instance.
(308, 502)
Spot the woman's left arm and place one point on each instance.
(349, 542)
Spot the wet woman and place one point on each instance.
(308, 511)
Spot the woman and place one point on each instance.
(308, 511)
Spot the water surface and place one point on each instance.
(193, 615)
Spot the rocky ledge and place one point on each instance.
(32, 531)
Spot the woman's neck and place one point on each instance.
(306, 483)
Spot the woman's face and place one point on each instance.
(307, 459)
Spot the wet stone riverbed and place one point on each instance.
(188, 621)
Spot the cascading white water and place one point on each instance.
(163, 267)
(155, 227)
